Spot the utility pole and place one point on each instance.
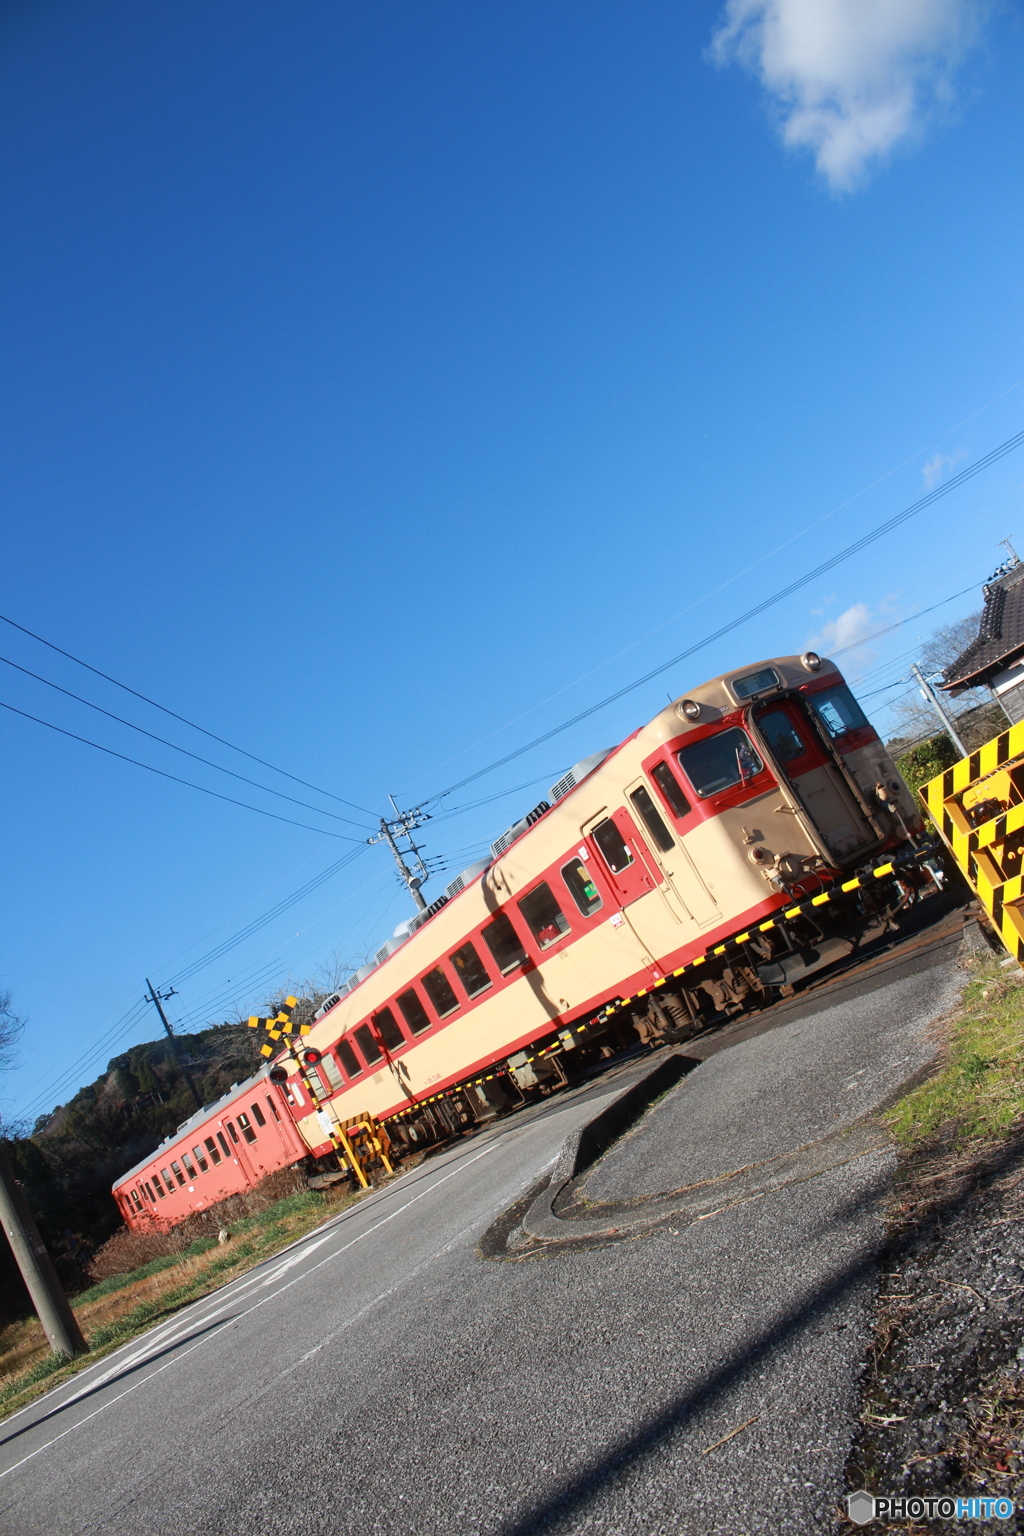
(158, 999)
(1013, 553)
(52, 1306)
(933, 699)
(404, 824)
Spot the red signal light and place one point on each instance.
(312, 1056)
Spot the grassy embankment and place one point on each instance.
(117, 1309)
(951, 1255)
(978, 1093)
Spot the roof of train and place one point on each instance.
(201, 1116)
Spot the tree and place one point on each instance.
(975, 713)
(11, 1026)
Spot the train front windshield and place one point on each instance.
(720, 762)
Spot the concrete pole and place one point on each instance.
(933, 699)
(52, 1306)
(405, 873)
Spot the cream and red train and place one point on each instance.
(689, 873)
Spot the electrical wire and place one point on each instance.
(863, 542)
(208, 1004)
(184, 720)
(74, 1068)
(736, 576)
(174, 777)
(876, 634)
(184, 750)
(257, 923)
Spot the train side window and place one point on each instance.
(504, 944)
(389, 1029)
(227, 1149)
(439, 989)
(211, 1147)
(258, 1114)
(667, 782)
(720, 762)
(368, 1045)
(273, 1106)
(329, 1070)
(652, 819)
(413, 1011)
(232, 1132)
(469, 968)
(581, 888)
(544, 917)
(245, 1128)
(158, 1186)
(838, 710)
(779, 732)
(200, 1157)
(149, 1193)
(188, 1167)
(176, 1169)
(612, 845)
(349, 1060)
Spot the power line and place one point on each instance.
(184, 720)
(174, 777)
(57, 1085)
(257, 923)
(175, 748)
(769, 602)
(877, 634)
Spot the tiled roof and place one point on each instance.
(1000, 634)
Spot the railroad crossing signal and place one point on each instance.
(281, 1026)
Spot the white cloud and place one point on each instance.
(937, 465)
(850, 79)
(851, 625)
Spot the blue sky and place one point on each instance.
(386, 385)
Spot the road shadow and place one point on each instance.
(573, 1494)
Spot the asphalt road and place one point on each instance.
(383, 1376)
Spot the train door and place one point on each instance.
(804, 764)
(628, 862)
(682, 884)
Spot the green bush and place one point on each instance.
(927, 761)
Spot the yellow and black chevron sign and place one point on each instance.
(978, 808)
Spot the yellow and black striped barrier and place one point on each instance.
(978, 808)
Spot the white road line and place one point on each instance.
(238, 1318)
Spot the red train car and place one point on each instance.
(223, 1149)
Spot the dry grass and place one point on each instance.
(124, 1305)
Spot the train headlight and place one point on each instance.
(689, 709)
(811, 660)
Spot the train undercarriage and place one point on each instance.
(746, 975)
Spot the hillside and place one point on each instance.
(74, 1154)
